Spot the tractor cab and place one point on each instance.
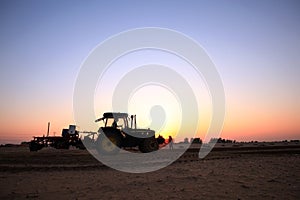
(118, 120)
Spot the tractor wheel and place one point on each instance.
(148, 145)
(34, 146)
(108, 144)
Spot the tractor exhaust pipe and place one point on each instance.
(48, 129)
(133, 118)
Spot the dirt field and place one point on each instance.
(253, 172)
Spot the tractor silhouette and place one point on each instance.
(116, 134)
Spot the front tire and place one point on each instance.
(148, 145)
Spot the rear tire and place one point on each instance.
(148, 145)
(108, 143)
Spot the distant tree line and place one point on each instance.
(192, 141)
(221, 140)
(212, 140)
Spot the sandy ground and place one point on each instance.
(229, 173)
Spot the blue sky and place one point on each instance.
(254, 44)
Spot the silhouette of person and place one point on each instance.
(114, 124)
(170, 142)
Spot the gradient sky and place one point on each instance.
(255, 46)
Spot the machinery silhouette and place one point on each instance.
(116, 133)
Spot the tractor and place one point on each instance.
(69, 137)
(116, 134)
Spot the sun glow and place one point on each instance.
(156, 108)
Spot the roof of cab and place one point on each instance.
(114, 115)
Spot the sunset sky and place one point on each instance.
(255, 46)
